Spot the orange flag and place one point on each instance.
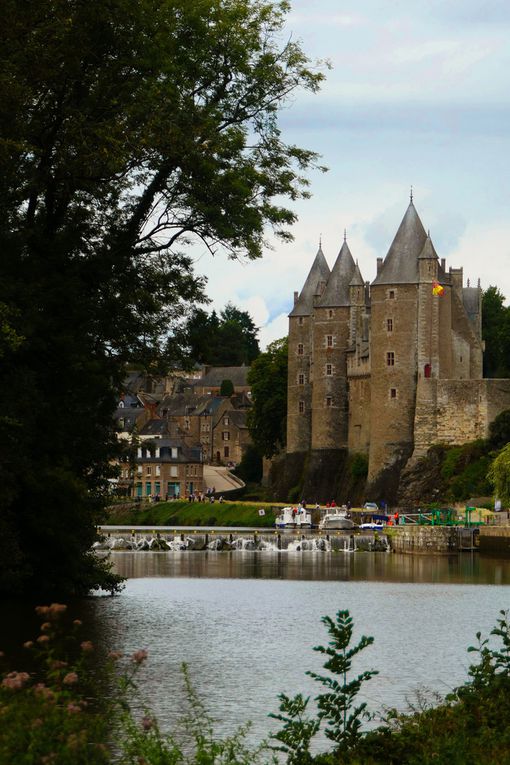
(437, 289)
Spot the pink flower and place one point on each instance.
(87, 646)
(46, 627)
(15, 680)
(73, 708)
(44, 692)
(28, 644)
(139, 656)
(147, 723)
(43, 639)
(70, 679)
(42, 610)
(77, 622)
(57, 664)
(57, 608)
(114, 655)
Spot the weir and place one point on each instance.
(163, 539)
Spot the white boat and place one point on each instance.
(294, 518)
(336, 518)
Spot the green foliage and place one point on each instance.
(499, 475)
(496, 333)
(267, 419)
(129, 131)
(464, 470)
(227, 388)
(358, 464)
(336, 706)
(227, 340)
(297, 732)
(499, 430)
(250, 467)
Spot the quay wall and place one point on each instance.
(424, 539)
(495, 540)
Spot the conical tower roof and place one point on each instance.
(357, 279)
(428, 252)
(337, 289)
(400, 265)
(319, 272)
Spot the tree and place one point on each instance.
(499, 430)
(227, 388)
(227, 340)
(496, 334)
(499, 475)
(128, 131)
(267, 419)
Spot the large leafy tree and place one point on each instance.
(496, 333)
(229, 339)
(128, 129)
(267, 419)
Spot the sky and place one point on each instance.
(418, 95)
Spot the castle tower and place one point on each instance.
(394, 343)
(301, 357)
(331, 328)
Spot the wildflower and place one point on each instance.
(57, 608)
(43, 639)
(70, 679)
(147, 723)
(28, 644)
(44, 692)
(87, 646)
(139, 656)
(77, 622)
(58, 664)
(73, 708)
(15, 680)
(114, 655)
(46, 627)
(42, 610)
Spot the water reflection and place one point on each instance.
(467, 568)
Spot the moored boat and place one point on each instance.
(336, 518)
(294, 518)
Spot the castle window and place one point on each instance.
(393, 393)
(391, 294)
(300, 349)
(427, 371)
(329, 369)
(301, 407)
(329, 341)
(300, 321)
(390, 359)
(330, 313)
(329, 401)
(226, 451)
(389, 325)
(301, 379)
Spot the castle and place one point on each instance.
(390, 367)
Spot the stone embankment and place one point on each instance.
(495, 540)
(432, 539)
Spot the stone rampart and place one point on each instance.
(424, 539)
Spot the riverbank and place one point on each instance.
(184, 513)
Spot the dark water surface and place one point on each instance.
(246, 622)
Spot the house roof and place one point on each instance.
(400, 265)
(215, 376)
(319, 272)
(336, 292)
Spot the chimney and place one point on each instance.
(379, 265)
(443, 264)
(296, 295)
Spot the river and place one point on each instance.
(245, 623)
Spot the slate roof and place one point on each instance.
(357, 279)
(215, 376)
(471, 302)
(336, 292)
(155, 428)
(185, 453)
(319, 272)
(400, 265)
